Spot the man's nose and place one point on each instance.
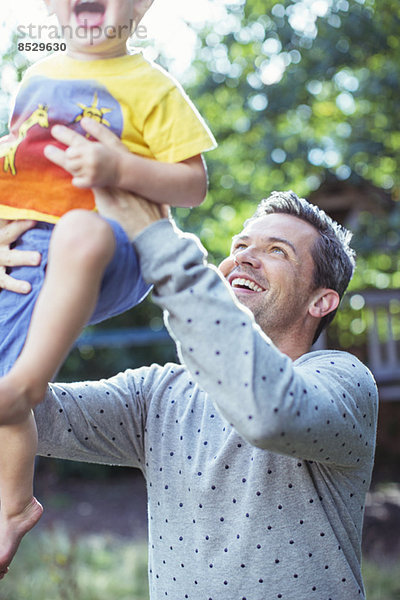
(247, 256)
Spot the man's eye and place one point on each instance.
(278, 250)
(239, 247)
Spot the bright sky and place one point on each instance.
(171, 22)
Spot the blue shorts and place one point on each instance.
(122, 287)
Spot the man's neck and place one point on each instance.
(293, 352)
(293, 344)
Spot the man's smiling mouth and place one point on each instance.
(246, 284)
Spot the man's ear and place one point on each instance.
(323, 302)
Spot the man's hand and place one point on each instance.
(10, 231)
(91, 163)
(133, 213)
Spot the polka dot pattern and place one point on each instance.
(226, 518)
(256, 489)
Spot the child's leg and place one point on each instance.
(80, 249)
(81, 246)
(19, 510)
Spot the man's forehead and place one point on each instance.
(279, 225)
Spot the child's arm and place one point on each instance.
(177, 184)
(108, 163)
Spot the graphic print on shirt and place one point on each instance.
(40, 104)
(8, 150)
(93, 112)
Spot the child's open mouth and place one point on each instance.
(89, 13)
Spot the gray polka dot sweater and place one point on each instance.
(256, 466)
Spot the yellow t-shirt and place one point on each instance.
(137, 100)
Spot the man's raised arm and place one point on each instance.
(288, 407)
(297, 408)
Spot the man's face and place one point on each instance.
(270, 270)
(97, 25)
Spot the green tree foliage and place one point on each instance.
(294, 91)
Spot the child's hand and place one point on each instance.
(91, 164)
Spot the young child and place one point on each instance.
(101, 92)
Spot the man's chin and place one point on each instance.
(250, 300)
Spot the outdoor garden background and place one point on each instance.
(302, 95)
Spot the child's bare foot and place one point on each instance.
(17, 399)
(13, 529)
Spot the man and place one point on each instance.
(257, 453)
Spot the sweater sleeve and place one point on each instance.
(97, 421)
(321, 407)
